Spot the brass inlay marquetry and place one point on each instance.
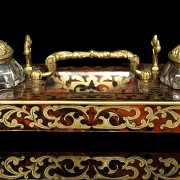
(93, 83)
(9, 113)
(89, 117)
(86, 167)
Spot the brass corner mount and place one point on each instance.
(145, 75)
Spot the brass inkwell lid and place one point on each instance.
(174, 56)
(171, 72)
(11, 72)
(6, 52)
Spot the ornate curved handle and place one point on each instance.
(51, 60)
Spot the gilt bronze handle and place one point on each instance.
(51, 60)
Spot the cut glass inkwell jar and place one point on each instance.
(171, 72)
(11, 72)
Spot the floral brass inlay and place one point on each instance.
(95, 83)
(7, 112)
(87, 167)
(90, 117)
(164, 111)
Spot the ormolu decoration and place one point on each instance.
(51, 60)
(74, 167)
(27, 53)
(6, 52)
(156, 49)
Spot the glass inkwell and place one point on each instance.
(171, 72)
(11, 72)
(170, 75)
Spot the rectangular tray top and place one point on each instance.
(91, 99)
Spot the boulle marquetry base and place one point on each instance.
(86, 99)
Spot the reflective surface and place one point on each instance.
(171, 76)
(11, 74)
(171, 73)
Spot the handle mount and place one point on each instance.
(50, 62)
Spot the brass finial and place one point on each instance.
(156, 49)
(27, 53)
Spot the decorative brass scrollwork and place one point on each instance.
(123, 166)
(89, 117)
(50, 62)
